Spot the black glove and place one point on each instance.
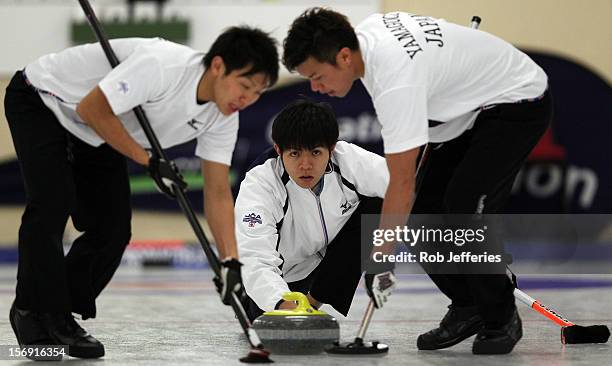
(229, 280)
(165, 174)
(379, 286)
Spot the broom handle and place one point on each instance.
(182, 200)
(365, 322)
(541, 308)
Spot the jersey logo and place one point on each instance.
(194, 124)
(123, 87)
(252, 219)
(345, 207)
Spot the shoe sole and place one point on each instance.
(493, 348)
(83, 352)
(472, 331)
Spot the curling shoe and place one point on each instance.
(63, 329)
(500, 340)
(29, 330)
(458, 324)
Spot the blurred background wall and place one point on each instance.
(574, 29)
(571, 37)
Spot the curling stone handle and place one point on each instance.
(303, 305)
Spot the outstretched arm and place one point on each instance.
(400, 192)
(219, 207)
(395, 210)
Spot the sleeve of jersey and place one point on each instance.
(218, 142)
(255, 213)
(135, 81)
(402, 112)
(366, 170)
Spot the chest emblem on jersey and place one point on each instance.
(346, 206)
(195, 124)
(123, 87)
(252, 219)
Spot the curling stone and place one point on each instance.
(302, 330)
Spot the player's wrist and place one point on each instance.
(142, 157)
(230, 253)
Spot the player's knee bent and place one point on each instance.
(121, 235)
(116, 234)
(462, 201)
(49, 212)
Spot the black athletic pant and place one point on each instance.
(336, 278)
(479, 168)
(65, 177)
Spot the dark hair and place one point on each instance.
(243, 46)
(319, 33)
(305, 125)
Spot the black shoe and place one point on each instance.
(458, 324)
(501, 340)
(30, 332)
(63, 329)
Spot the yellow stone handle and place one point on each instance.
(303, 305)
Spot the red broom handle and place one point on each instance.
(541, 308)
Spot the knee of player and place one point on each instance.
(118, 233)
(123, 233)
(51, 207)
(465, 199)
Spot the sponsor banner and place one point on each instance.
(150, 253)
(168, 253)
(570, 170)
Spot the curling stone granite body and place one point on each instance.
(297, 334)
(303, 330)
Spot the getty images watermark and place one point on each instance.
(488, 243)
(443, 244)
(432, 236)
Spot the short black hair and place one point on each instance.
(320, 33)
(304, 124)
(243, 46)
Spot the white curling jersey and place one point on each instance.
(283, 230)
(159, 75)
(419, 68)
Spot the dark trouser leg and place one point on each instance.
(500, 142)
(339, 272)
(103, 213)
(40, 143)
(336, 278)
(443, 160)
